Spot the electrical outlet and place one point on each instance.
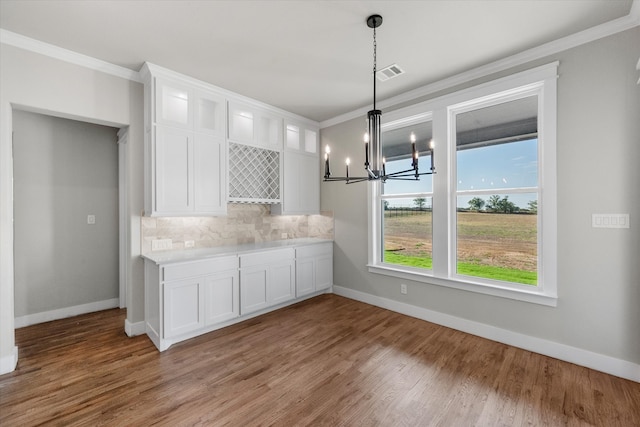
(610, 220)
(189, 243)
(91, 219)
(403, 289)
(161, 244)
(284, 236)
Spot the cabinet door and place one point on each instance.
(309, 191)
(209, 113)
(253, 289)
(291, 183)
(324, 272)
(174, 104)
(173, 170)
(281, 286)
(270, 131)
(293, 140)
(210, 173)
(301, 185)
(310, 141)
(305, 276)
(182, 307)
(242, 123)
(221, 297)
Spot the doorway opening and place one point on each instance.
(69, 227)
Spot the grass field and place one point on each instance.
(494, 246)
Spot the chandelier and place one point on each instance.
(374, 163)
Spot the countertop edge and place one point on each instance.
(187, 255)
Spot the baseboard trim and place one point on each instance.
(8, 363)
(133, 329)
(47, 316)
(599, 362)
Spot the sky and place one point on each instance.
(499, 166)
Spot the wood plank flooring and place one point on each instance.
(328, 361)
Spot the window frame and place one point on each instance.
(540, 81)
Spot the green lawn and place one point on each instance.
(468, 268)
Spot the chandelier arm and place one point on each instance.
(344, 178)
(397, 175)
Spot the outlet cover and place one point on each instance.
(189, 243)
(403, 289)
(91, 219)
(610, 220)
(161, 244)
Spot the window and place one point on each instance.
(406, 205)
(486, 221)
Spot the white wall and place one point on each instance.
(598, 153)
(63, 170)
(37, 82)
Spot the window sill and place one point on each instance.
(407, 273)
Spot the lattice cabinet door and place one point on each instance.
(254, 174)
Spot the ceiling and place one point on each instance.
(313, 58)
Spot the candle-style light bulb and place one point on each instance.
(412, 138)
(431, 146)
(327, 171)
(366, 150)
(348, 161)
(384, 162)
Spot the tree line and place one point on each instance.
(496, 203)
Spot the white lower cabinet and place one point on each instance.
(183, 307)
(190, 298)
(314, 268)
(268, 278)
(193, 296)
(221, 297)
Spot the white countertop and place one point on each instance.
(169, 257)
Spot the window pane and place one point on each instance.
(497, 146)
(397, 150)
(423, 185)
(497, 237)
(407, 232)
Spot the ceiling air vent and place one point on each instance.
(389, 72)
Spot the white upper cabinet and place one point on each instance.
(181, 106)
(301, 171)
(205, 146)
(174, 104)
(301, 138)
(209, 113)
(185, 146)
(254, 126)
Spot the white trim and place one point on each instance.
(600, 362)
(591, 34)
(33, 45)
(467, 283)
(133, 329)
(8, 363)
(61, 313)
(123, 220)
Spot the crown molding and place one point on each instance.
(33, 45)
(595, 33)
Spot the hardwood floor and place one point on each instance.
(326, 361)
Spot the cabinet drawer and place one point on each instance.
(199, 268)
(314, 250)
(269, 257)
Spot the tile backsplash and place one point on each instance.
(244, 223)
